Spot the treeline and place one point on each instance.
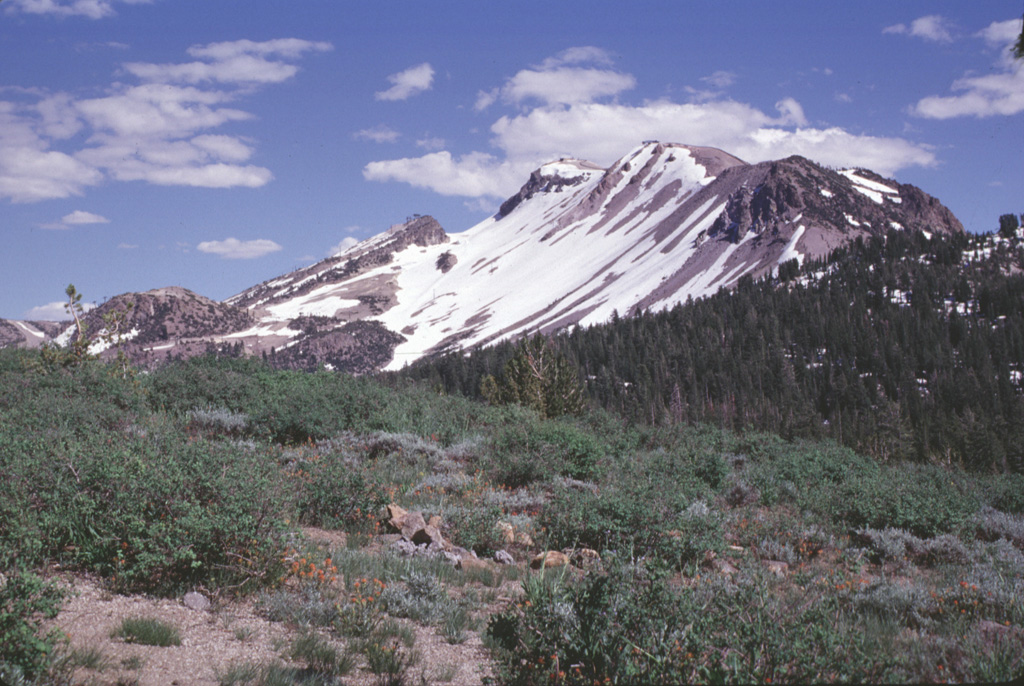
(903, 347)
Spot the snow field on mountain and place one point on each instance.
(502, 262)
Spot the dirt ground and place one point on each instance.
(226, 634)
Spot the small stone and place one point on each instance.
(777, 568)
(585, 557)
(196, 601)
(503, 557)
(551, 558)
(405, 548)
(723, 567)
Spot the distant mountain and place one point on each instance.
(577, 243)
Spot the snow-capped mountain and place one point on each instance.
(576, 244)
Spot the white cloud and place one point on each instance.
(378, 134)
(53, 312)
(158, 110)
(584, 54)
(234, 249)
(571, 120)
(93, 9)
(996, 94)
(408, 83)
(29, 170)
(720, 79)
(931, 28)
(485, 99)
(83, 217)
(565, 85)
(1001, 34)
(475, 174)
(558, 81)
(346, 243)
(159, 131)
(241, 62)
(127, 246)
(603, 132)
(431, 143)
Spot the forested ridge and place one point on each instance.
(905, 346)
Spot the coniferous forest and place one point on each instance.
(903, 347)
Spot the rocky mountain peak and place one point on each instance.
(577, 243)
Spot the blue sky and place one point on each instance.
(214, 145)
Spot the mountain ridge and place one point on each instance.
(576, 244)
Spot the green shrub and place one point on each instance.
(25, 600)
(474, 527)
(626, 626)
(319, 655)
(157, 512)
(334, 492)
(527, 449)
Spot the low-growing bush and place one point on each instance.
(25, 601)
(157, 512)
(992, 524)
(533, 450)
(333, 492)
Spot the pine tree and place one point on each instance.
(539, 377)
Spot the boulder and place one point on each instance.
(396, 517)
(550, 558)
(196, 601)
(428, 535)
(503, 557)
(467, 563)
(412, 524)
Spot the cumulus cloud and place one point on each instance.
(1000, 93)
(720, 79)
(603, 131)
(559, 80)
(83, 217)
(53, 312)
(76, 218)
(475, 174)
(378, 134)
(93, 9)
(345, 243)
(431, 143)
(933, 28)
(161, 131)
(234, 249)
(408, 83)
(238, 62)
(29, 169)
